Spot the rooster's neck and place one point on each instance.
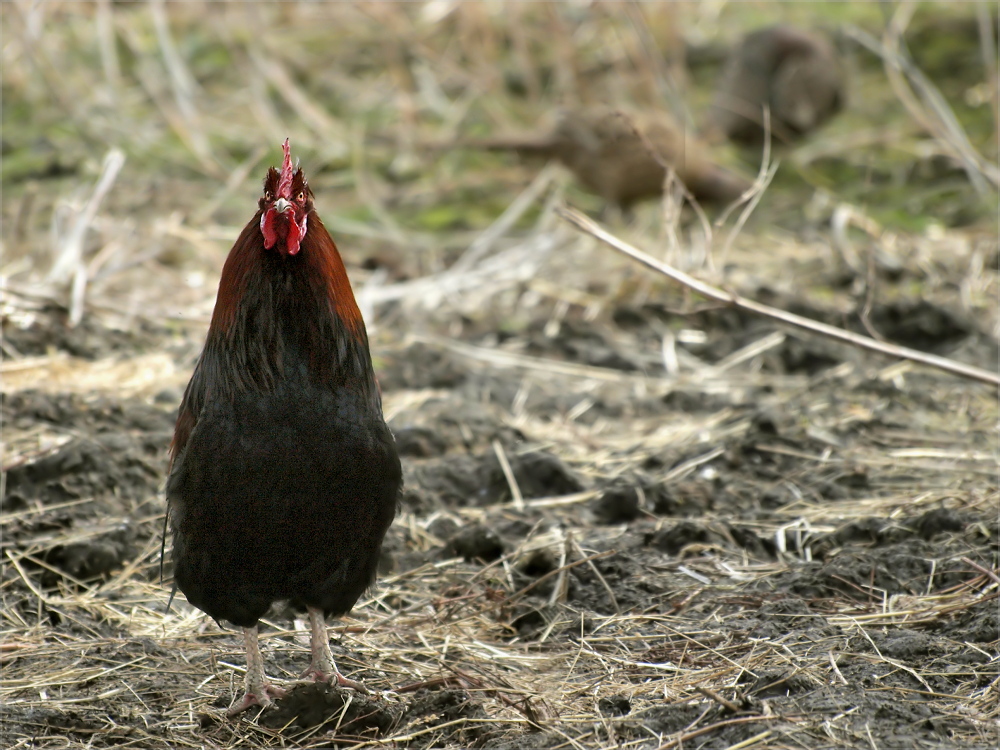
(290, 320)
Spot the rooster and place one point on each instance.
(284, 477)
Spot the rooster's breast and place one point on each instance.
(285, 495)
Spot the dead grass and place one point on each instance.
(412, 634)
(90, 658)
(195, 96)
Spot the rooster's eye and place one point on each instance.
(300, 196)
(268, 195)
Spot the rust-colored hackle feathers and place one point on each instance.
(284, 477)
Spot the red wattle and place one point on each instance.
(275, 227)
(267, 229)
(294, 237)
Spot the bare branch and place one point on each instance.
(942, 363)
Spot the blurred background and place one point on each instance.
(182, 106)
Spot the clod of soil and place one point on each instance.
(124, 454)
(675, 538)
(463, 480)
(343, 711)
(97, 556)
(939, 521)
(659, 720)
(418, 442)
(476, 543)
(771, 684)
(920, 324)
(430, 708)
(617, 505)
(50, 330)
(614, 705)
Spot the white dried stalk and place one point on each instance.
(839, 334)
(70, 253)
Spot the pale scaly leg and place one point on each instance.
(322, 667)
(259, 691)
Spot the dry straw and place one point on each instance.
(91, 662)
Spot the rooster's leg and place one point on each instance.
(259, 691)
(323, 667)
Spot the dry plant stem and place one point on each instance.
(679, 741)
(750, 741)
(485, 242)
(436, 682)
(764, 177)
(36, 52)
(724, 702)
(596, 572)
(988, 49)
(836, 669)
(71, 252)
(70, 260)
(936, 117)
(941, 363)
(991, 574)
(508, 473)
(946, 127)
(370, 196)
(274, 72)
(259, 691)
(657, 63)
(181, 82)
(106, 37)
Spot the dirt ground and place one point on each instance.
(631, 518)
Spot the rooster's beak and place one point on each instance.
(281, 205)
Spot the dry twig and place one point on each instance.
(941, 363)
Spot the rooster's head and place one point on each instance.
(285, 206)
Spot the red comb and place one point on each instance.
(285, 180)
